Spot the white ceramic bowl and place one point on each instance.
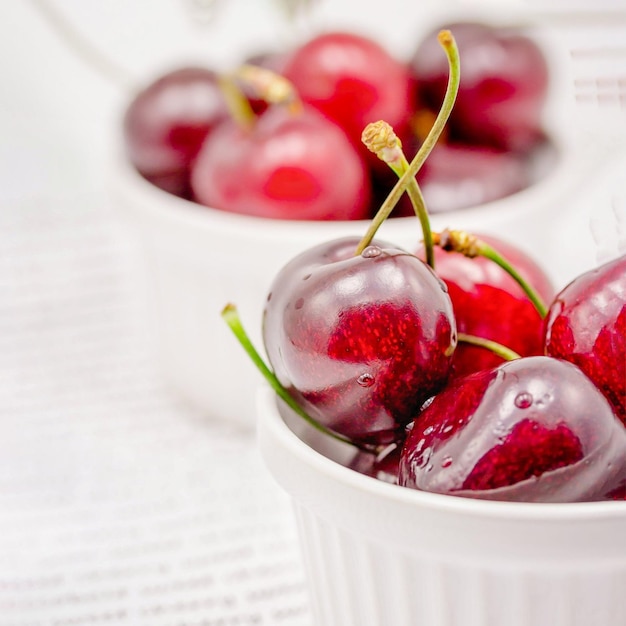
(377, 554)
(198, 259)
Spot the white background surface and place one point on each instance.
(118, 504)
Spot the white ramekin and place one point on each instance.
(377, 554)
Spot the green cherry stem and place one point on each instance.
(231, 317)
(497, 348)
(471, 246)
(268, 85)
(490, 253)
(448, 43)
(238, 104)
(382, 140)
(265, 84)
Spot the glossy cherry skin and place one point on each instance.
(503, 88)
(353, 81)
(167, 122)
(360, 341)
(489, 303)
(290, 165)
(535, 430)
(586, 324)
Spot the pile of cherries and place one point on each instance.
(226, 140)
(374, 347)
(453, 368)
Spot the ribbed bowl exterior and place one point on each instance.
(357, 581)
(376, 554)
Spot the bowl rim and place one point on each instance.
(272, 425)
(148, 199)
(571, 158)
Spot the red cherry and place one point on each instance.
(503, 88)
(535, 429)
(166, 124)
(353, 81)
(489, 303)
(360, 341)
(586, 324)
(290, 165)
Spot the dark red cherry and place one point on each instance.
(354, 81)
(503, 88)
(289, 165)
(535, 429)
(360, 341)
(489, 303)
(167, 122)
(586, 324)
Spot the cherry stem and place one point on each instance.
(269, 86)
(497, 348)
(448, 43)
(382, 140)
(231, 317)
(490, 253)
(265, 84)
(471, 246)
(238, 104)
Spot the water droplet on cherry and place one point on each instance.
(384, 316)
(365, 380)
(523, 400)
(371, 252)
(428, 402)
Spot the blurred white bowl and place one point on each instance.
(377, 554)
(198, 259)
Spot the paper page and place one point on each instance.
(118, 504)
